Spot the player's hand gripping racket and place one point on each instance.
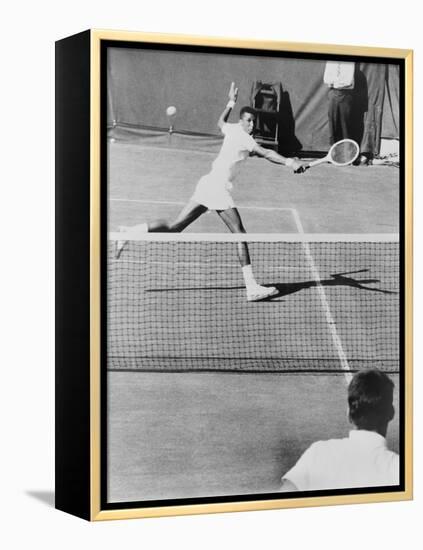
(341, 153)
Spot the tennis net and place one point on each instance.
(178, 303)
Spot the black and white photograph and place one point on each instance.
(153, 395)
(253, 282)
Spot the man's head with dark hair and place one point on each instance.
(247, 118)
(370, 396)
(247, 109)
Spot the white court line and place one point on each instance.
(181, 203)
(147, 201)
(166, 147)
(325, 237)
(329, 319)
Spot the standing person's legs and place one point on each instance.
(332, 115)
(339, 115)
(255, 292)
(344, 110)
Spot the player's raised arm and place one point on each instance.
(233, 94)
(272, 156)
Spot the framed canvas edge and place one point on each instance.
(96, 513)
(225, 42)
(249, 506)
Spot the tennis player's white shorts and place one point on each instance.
(212, 192)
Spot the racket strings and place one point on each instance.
(344, 152)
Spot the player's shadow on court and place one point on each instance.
(336, 279)
(284, 289)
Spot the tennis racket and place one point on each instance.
(341, 153)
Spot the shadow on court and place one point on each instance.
(284, 289)
(337, 279)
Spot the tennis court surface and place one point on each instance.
(148, 179)
(182, 435)
(209, 394)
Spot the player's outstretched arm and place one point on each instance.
(233, 94)
(272, 156)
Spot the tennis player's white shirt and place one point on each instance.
(213, 189)
(360, 460)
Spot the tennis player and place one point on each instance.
(213, 190)
(360, 460)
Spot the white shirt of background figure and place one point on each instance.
(339, 75)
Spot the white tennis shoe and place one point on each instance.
(258, 292)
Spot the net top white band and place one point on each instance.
(254, 237)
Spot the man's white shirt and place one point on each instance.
(361, 460)
(339, 75)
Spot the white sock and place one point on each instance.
(249, 279)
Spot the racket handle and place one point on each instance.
(317, 162)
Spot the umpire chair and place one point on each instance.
(266, 100)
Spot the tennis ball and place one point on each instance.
(170, 111)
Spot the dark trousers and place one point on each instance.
(339, 113)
